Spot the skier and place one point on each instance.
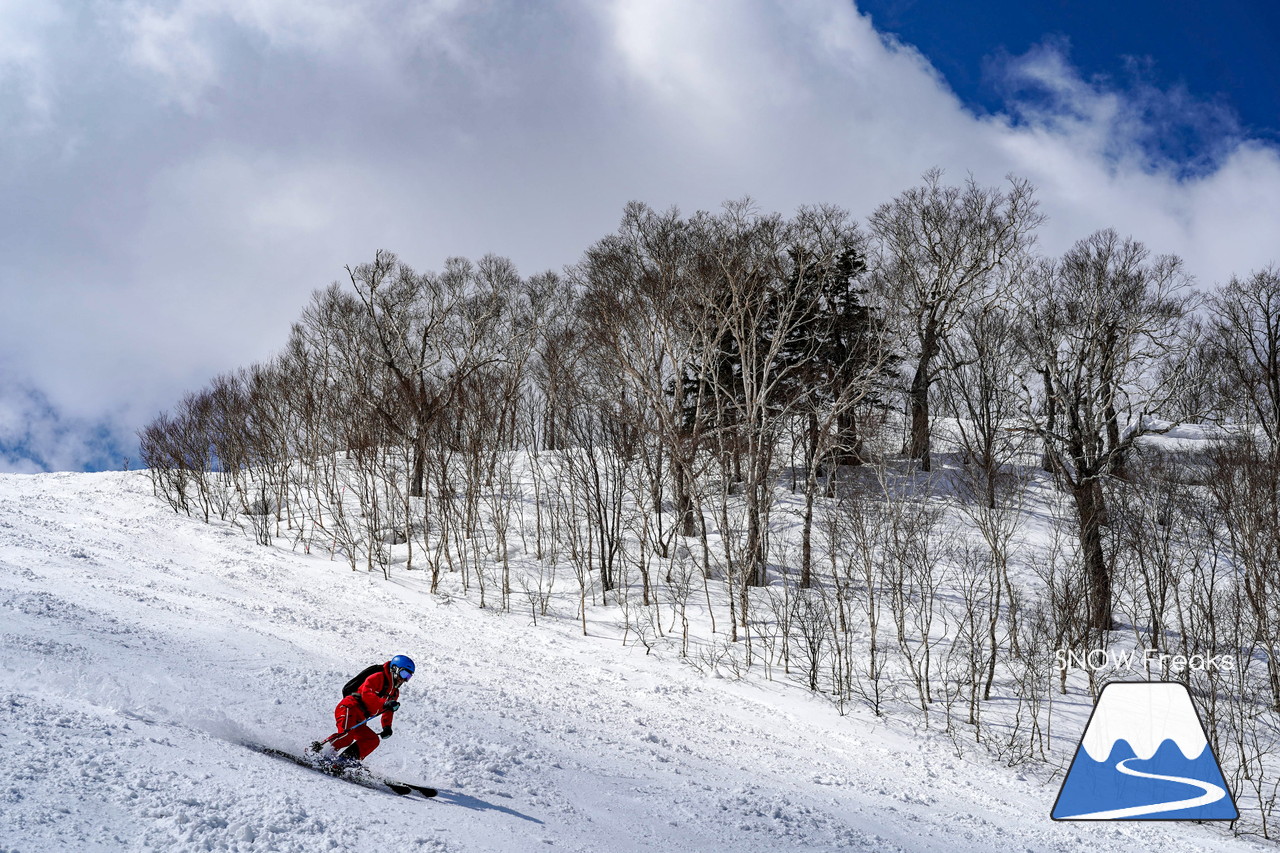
(379, 693)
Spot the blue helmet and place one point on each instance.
(402, 665)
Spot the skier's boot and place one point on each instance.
(348, 759)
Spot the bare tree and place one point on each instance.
(1245, 488)
(1105, 321)
(980, 389)
(426, 330)
(741, 265)
(941, 251)
(1245, 324)
(638, 314)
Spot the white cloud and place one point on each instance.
(1137, 127)
(167, 44)
(148, 248)
(182, 43)
(35, 437)
(25, 27)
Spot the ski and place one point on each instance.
(358, 775)
(419, 789)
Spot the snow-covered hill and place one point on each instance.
(141, 649)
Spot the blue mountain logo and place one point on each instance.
(1144, 756)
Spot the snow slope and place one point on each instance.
(138, 649)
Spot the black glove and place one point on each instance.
(391, 707)
(385, 733)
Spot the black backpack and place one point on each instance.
(354, 684)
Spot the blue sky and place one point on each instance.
(1222, 57)
(180, 175)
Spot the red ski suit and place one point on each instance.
(368, 701)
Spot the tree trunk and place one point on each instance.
(684, 500)
(1091, 511)
(918, 447)
(918, 400)
(848, 441)
(810, 486)
(754, 570)
(1051, 423)
(417, 480)
(1119, 463)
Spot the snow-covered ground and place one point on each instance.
(139, 650)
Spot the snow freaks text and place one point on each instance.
(1140, 661)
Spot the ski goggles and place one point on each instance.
(402, 673)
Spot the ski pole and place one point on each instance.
(331, 738)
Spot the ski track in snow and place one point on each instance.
(140, 648)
